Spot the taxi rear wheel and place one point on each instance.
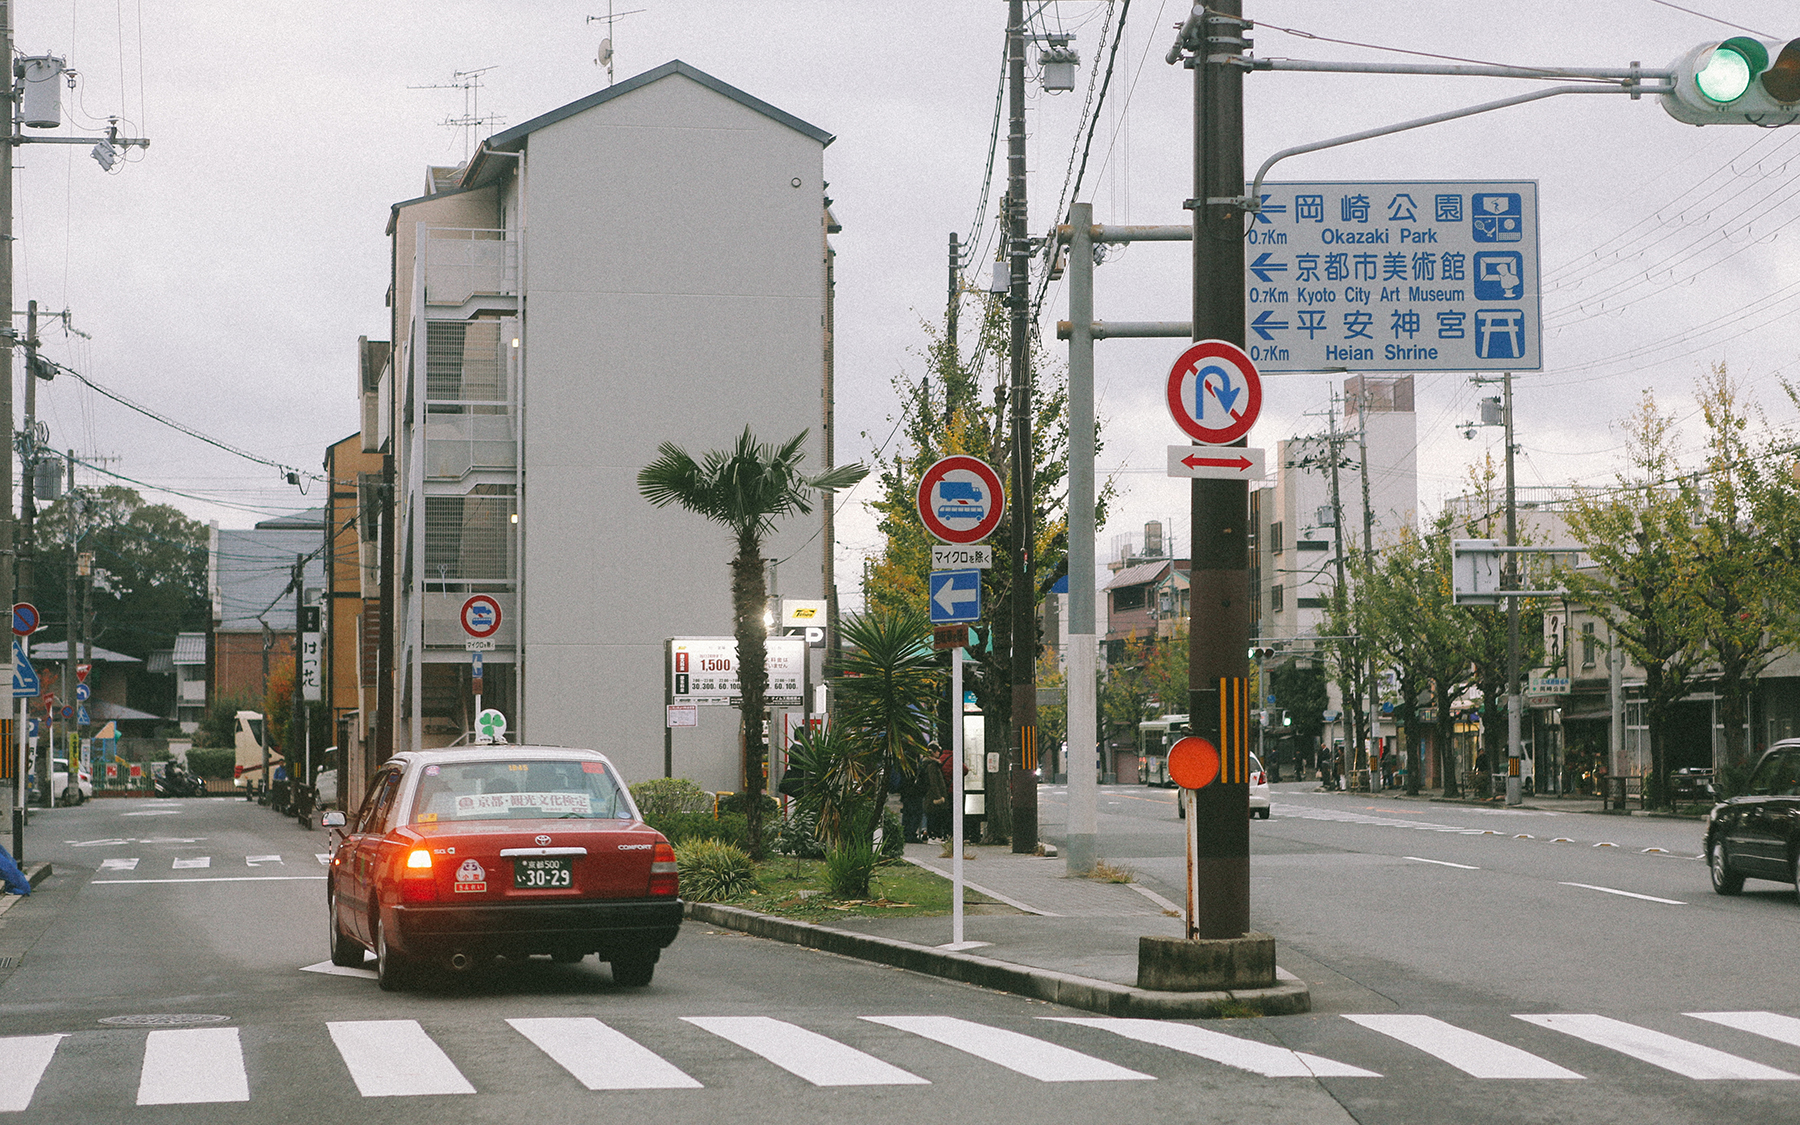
(392, 968)
(634, 973)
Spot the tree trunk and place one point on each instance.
(749, 595)
(1444, 735)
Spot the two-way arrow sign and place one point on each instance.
(1216, 462)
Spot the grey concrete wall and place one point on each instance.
(673, 292)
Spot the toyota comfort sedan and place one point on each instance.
(1757, 835)
(459, 856)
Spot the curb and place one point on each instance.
(1105, 997)
(36, 873)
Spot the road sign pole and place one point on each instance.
(1219, 630)
(956, 798)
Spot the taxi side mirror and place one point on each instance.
(332, 819)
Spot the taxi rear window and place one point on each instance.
(518, 789)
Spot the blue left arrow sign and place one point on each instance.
(955, 596)
(1262, 267)
(1265, 324)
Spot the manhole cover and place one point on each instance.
(162, 1020)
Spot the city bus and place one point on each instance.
(1155, 736)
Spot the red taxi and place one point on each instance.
(458, 856)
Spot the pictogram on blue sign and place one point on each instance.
(955, 596)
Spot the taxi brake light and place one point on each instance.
(419, 858)
(664, 879)
(416, 881)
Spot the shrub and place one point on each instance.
(713, 872)
(797, 835)
(679, 827)
(849, 866)
(893, 836)
(212, 761)
(666, 796)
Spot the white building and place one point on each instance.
(646, 264)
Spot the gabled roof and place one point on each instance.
(52, 652)
(481, 167)
(190, 648)
(1138, 575)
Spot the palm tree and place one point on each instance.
(747, 488)
(888, 693)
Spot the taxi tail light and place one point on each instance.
(663, 877)
(417, 883)
(1258, 778)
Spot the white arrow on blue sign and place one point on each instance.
(955, 596)
(25, 677)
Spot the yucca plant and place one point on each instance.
(714, 872)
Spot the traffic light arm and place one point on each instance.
(1633, 88)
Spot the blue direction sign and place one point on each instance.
(1394, 276)
(955, 596)
(81, 715)
(83, 692)
(25, 677)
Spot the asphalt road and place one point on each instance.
(1420, 970)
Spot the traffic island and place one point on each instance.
(1277, 998)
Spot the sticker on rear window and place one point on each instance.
(431, 771)
(593, 767)
(471, 804)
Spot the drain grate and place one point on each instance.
(7, 964)
(161, 1020)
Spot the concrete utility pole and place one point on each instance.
(6, 392)
(1219, 582)
(1371, 693)
(1510, 581)
(1022, 754)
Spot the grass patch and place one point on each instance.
(1104, 872)
(800, 889)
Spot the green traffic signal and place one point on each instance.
(1726, 74)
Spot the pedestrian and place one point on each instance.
(937, 794)
(12, 880)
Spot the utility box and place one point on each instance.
(40, 105)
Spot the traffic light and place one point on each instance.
(1262, 652)
(1287, 720)
(1741, 81)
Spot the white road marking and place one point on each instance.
(601, 1058)
(395, 1058)
(324, 858)
(153, 812)
(261, 860)
(218, 879)
(1666, 1051)
(192, 861)
(1473, 1054)
(1245, 1054)
(330, 970)
(806, 1054)
(118, 864)
(185, 1066)
(1440, 862)
(1034, 1058)
(1626, 894)
(980, 890)
(1784, 1029)
(107, 843)
(23, 1060)
(1154, 897)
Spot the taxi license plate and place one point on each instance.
(537, 874)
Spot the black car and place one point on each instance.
(1757, 836)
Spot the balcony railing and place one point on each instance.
(459, 264)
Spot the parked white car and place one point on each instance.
(59, 781)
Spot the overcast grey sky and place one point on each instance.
(225, 274)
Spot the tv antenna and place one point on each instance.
(605, 56)
(469, 82)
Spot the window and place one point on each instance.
(1275, 538)
(1129, 597)
(1311, 545)
(1588, 644)
(1310, 603)
(512, 789)
(1275, 598)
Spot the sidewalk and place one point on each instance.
(1032, 944)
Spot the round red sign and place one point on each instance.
(481, 616)
(1214, 392)
(1193, 763)
(961, 499)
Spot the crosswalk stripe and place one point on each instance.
(1265, 1059)
(601, 1058)
(1690, 1060)
(23, 1060)
(119, 864)
(821, 1061)
(195, 861)
(189, 1065)
(1784, 1029)
(1032, 1057)
(1467, 1051)
(395, 1058)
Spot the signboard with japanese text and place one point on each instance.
(705, 671)
(1394, 276)
(311, 687)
